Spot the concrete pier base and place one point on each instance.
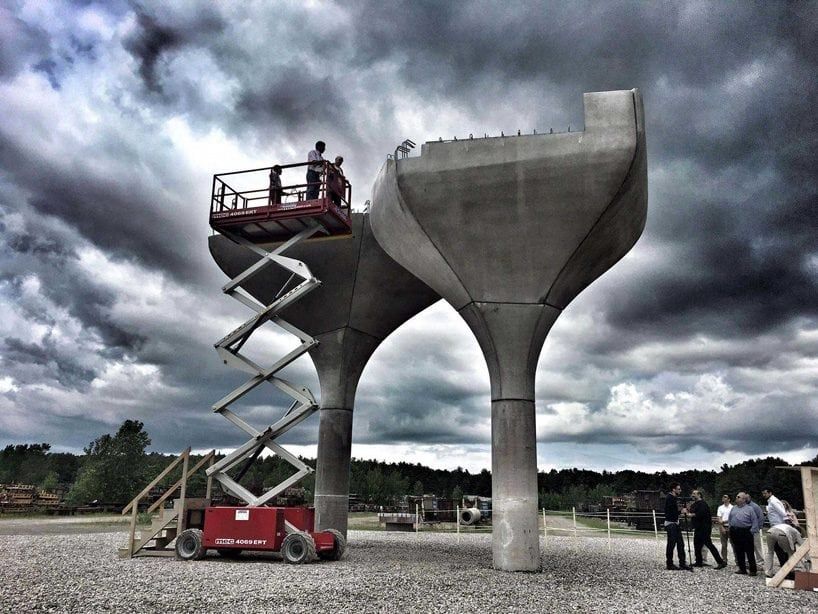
(332, 469)
(515, 542)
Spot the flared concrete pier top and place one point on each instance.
(364, 296)
(509, 230)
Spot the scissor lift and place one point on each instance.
(252, 216)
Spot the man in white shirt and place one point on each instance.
(775, 509)
(777, 515)
(724, 524)
(314, 170)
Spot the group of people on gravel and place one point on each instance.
(740, 523)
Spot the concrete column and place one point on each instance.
(339, 358)
(511, 336)
(515, 540)
(332, 469)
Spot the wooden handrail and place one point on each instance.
(173, 488)
(156, 480)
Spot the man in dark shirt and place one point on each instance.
(275, 186)
(702, 527)
(674, 533)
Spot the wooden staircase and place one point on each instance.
(168, 523)
(163, 530)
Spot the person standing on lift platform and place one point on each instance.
(275, 185)
(314, 170)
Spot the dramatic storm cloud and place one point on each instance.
(699, 347)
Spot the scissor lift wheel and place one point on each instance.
(340, 546)
(190, 545)
(298, 548)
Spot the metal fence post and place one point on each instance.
(544, 527)
(417, 519)
(656, 531)
(609, 528)
(457, 522)
(574, 514)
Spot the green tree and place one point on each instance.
(457, 494)
(115, 466)
(66, 466)
(395, 486)
(50, 482)
(551, 500)
(24, 463)
(374, 485)
(754, 474)
(417, 488)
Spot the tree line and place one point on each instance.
(115, 467)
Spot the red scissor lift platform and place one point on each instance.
(243, 204)
(252, 209)
(231, 530)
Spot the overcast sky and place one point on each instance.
(700, 347)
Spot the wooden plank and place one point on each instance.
(156, 480)
(173, 488)
(209, 490)
(132, 531)
(809, 476)
(787, 567)
(181, 524)
(148, 534)
(162, 552)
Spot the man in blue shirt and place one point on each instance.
(759, 553)
(743, 525)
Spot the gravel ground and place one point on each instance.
(94, 523)
(381, 572)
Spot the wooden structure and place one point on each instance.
(154, 540)
(809, 549)
(26, 498)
